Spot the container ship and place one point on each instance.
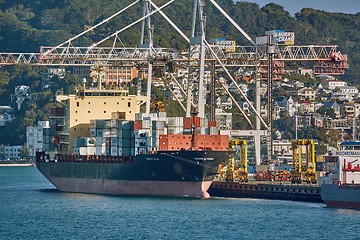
(103, 145)
(342, 188)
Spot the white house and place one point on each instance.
(332, 84)
(345, 93)
(6, 115)
(223, 102)
(289, 104)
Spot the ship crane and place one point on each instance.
(348, 167)
(267, 59)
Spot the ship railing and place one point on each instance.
(95, 159)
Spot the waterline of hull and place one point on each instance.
(132, 188)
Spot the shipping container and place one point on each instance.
(143, 133)
(138, 124)
(126, 152)
(204, 122)
(125, 125)
(100, 150)
(106, 132)
(113, 123)
(114, 132)
(100, 141)
(175, 122)
(108, 151)
(146, 124)
(114, 151)
(213, 131)
(114, 141)
(162, 114)
(125, 143)
(126, 133)
(158, 124)
(174, 130)
(92, 132)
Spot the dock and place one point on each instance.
(266, 190)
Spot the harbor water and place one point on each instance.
(31, 208)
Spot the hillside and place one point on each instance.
(25, 25)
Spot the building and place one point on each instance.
(224, 118)
(51, 72)
(36, 138)
(288, 104)
(335, 106)
(347, 93)
(223, 102)
(306, 94)
(305, 106)
(333, 84)
(6, 115)
(12, 152)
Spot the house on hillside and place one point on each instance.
(332, 84)
(6, 115)
(305, 106)
(347, 93)
(335, 106)
(223, 102)
(288, 104)
(350, 110)
(306, 94)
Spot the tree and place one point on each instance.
(24, 152)
(326, 111)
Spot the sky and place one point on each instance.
(293, 6)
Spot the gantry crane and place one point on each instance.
(238, 169)
(298, 170)
(267, 58)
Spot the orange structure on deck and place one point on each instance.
(207, 142)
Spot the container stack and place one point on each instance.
(84, 146)
(117, 137)
(175, 125)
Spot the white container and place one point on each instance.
(175, 121)
(174, 130)
(146, 124)
(162, 114)
(91, 150)
(114, 151)
(204, 122)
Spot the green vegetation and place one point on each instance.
(25, 25)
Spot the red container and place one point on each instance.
(138, 125)
(212, 124)
(187, 122)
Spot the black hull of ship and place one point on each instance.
(165, 173)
